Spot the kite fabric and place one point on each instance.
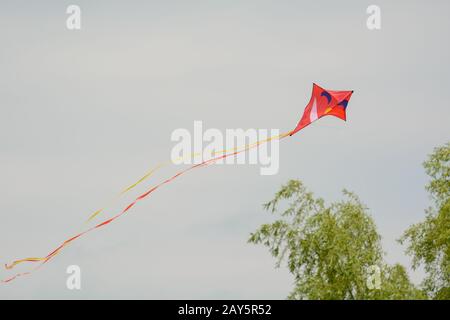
(323, 102)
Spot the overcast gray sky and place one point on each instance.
(85, 112)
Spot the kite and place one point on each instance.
(322, 103)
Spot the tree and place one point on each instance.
(429, 241)
(333, 250)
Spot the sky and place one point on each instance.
(86, 112)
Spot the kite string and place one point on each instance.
(55, 252)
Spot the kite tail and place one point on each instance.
(15, 277)
(55, 252)
(149, 173)
(129, 188)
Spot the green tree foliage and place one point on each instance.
(429, 241)
(397, 286)
(330, 250)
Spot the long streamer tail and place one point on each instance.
(43, 260)
(154, 169)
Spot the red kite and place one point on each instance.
(323, 103)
